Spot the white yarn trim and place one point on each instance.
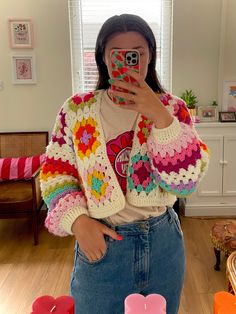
(69, 218)
(167, 135)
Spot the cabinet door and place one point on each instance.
(212, 183)
(229, 169)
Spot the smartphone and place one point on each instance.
(121, 60)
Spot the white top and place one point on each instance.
(115, 123)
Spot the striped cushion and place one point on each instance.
(19, 168)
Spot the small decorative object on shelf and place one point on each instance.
(191, 100)
(207, 113)
(227, 116)
(196, 119)
(214, 103)
(229, 96)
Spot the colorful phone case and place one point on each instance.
(121, 60)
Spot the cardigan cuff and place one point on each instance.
(69, 218)
(167, 135)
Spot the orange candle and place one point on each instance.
(228, 310)
(224, 302)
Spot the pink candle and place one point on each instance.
(49, 305)
(151, 304)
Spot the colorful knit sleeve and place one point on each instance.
(179, 158)
(59, 178)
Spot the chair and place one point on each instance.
(223, 238)
(231, 272)
(21, 198)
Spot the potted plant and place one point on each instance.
(191, 100)
(214, 103)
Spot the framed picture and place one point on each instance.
(23, 69)
(207, 113)
(229, 96)
(20, 33)
(227, 116)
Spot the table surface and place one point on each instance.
(231, 270)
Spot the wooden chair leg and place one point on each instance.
(230, 288)
(217, 254)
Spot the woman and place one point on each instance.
(112, 174)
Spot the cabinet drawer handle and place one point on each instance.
(223, 162)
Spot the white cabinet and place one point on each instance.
(216, 193)
(229, 166)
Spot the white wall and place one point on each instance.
(204, 47)
(34, 107)
(197, 53)
(196, 35)
(229, 56)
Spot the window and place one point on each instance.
(86, 18)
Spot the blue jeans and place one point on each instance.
(149, 259)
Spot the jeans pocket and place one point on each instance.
(82, 257)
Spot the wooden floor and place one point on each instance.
(28, 271)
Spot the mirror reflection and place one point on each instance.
(120, 181)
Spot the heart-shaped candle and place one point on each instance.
(139, 304)
(48, 305)
(224, 302)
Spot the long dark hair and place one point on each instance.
(121, 24)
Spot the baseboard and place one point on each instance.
(209, 211)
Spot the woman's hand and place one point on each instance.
(90, 235)
(143, 100)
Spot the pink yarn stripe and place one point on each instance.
(13, 168)
(54, 217)
(170, 167)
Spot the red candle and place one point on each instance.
(48, 305)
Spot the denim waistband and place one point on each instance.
(144, 226)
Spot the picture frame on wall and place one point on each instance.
(21, 33)
(207, 113)
(23, 69)
(227, 116)
(229, 96)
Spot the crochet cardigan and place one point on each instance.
(77, 177)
